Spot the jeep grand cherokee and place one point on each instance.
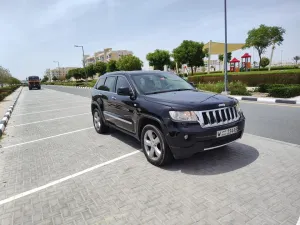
(165, 113)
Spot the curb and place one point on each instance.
(267, 100)
(7, 115)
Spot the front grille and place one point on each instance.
(217, 117)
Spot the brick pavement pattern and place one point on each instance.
(253, 181)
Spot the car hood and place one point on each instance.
(191, 100)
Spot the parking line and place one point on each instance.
(57, 104)
(41, 139)
(41, 121)
(23, 194)
(51, 110)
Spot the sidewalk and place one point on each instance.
(6, 107)
(8, 101)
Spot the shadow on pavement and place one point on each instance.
(218, 161)
(127, 139)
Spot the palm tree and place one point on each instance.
(296, 58)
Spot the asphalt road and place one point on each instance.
(279, 122)
(55, 169)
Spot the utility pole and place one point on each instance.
(225, 49)
(58, 69)
(281, 56)
(83, 62)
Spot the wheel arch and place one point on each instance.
(147, 119)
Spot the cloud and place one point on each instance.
(65, 9)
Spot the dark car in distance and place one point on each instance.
(170, 117)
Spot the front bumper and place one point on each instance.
(199, 139)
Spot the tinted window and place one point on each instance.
(33, 78)
(149, 83)
(110, 84)
(122, 82)
(100, 83)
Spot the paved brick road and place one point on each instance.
(254, 181)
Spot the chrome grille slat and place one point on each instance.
(217, 117)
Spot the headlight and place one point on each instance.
(238, 108)
(183, 116)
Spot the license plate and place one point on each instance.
(226, 132)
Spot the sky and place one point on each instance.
(34, 33)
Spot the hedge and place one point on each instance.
(236, 88)
(275, 68)
(284, 91)
(5, 91)
(90, 83)
(252, 78)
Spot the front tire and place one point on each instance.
(155, 146)
(98, 122)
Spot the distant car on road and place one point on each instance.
(34, 82)
(165, 113)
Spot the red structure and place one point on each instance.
(233, 67)
(246, 62)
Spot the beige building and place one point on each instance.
(106, 55)
(59, 73)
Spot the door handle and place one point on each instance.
(113, 97)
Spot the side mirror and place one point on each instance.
(125, 91)
(192, 83)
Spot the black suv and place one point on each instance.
(166, 113)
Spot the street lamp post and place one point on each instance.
(225, 49)
(58, 68)
(83, 62)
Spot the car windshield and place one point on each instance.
(33, 78)
(152, 83)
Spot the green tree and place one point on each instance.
(78, 73)
(111, 66)
(229, 56)
(264, 62)
(70, 74)
(158, 59)
(262, 37)
(129, 63)
(296, 58)
(191, 53)
(45, 79)
(276, 38)
(54, 78)
(90, 71)
(100, 67)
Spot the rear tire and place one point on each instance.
(155, 146)
(98, 122)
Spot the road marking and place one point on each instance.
(41, 139)
(23, 194)
(298, 223)
(51, 110)
(45, 99)
(58, 104)
(276, 104)
(41, 121)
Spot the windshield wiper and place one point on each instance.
(179, 89)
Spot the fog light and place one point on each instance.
(186, 137)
